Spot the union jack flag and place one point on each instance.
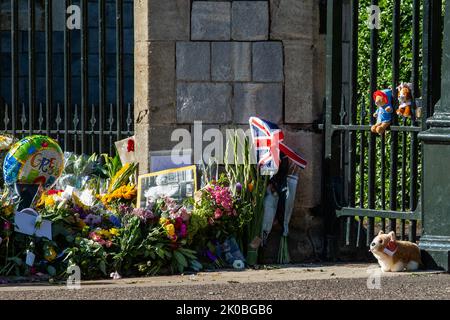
(268, 140)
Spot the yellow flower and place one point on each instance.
(50, 202)
(170, 229)
(104, 234)
(163, 221)
(8, 210)
(46, 201)
(127, 192)
(114, 232)
(41, 202)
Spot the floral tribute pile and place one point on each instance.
(96, 226)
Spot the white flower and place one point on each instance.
(67, 194)
(87, 198)
(115, 276)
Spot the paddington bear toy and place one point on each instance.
(383, 101)
(404, 99)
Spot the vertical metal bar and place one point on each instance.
(58, 121)
(31, 63)
(93, 122)
(14, 64)
(344, 168)
(404, 177)
(129, 121)
(354, 9)
(102, 74)
(67, 83)
(415, 94)
(372, 142)
(333, 99)
(394, 135)
(84, 74)
(49, 63)
(23, 120)
(111, 127)
(119, 65)
(76, 121)
(383, 179)
(40, 119)
(6, 119)
(362, 157)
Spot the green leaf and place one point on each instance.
(51, 271)
(102, 266)
(179, 257)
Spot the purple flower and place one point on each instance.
(79, 211)
(184, 214)
(238, 187)
(93, 220)
(169, 204)
(144, 214)
(124, 209)
(210, 255)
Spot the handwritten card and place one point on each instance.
(25, 222)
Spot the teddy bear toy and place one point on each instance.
(383, 114)
(393, 255)
(404, 99)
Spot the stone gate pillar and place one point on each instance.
(436, 181)
(158, 25)
(222, 61)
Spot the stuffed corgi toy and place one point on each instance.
(383, 101)
(393, 255)
(404, 99)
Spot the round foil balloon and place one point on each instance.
(6, 141)
(34, 160)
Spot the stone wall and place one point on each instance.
(221, 62)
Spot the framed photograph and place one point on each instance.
(179, 184)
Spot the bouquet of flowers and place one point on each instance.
(154, 239)
(220, 214)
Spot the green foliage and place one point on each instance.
(90, 256)
(402, 155)
(111, 166)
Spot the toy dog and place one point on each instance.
(383, 101)
(404, 99)
(393, 255)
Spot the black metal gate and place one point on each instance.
(72, 81)
(375, 182)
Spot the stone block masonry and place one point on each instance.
(211, 20)
(228, 71)
(250, 20)
(222, 61)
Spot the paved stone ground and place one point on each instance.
(298, 283)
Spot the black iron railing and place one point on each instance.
(375, 181)
(93, 111)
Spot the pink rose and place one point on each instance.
(218, 214)
(7, 226)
